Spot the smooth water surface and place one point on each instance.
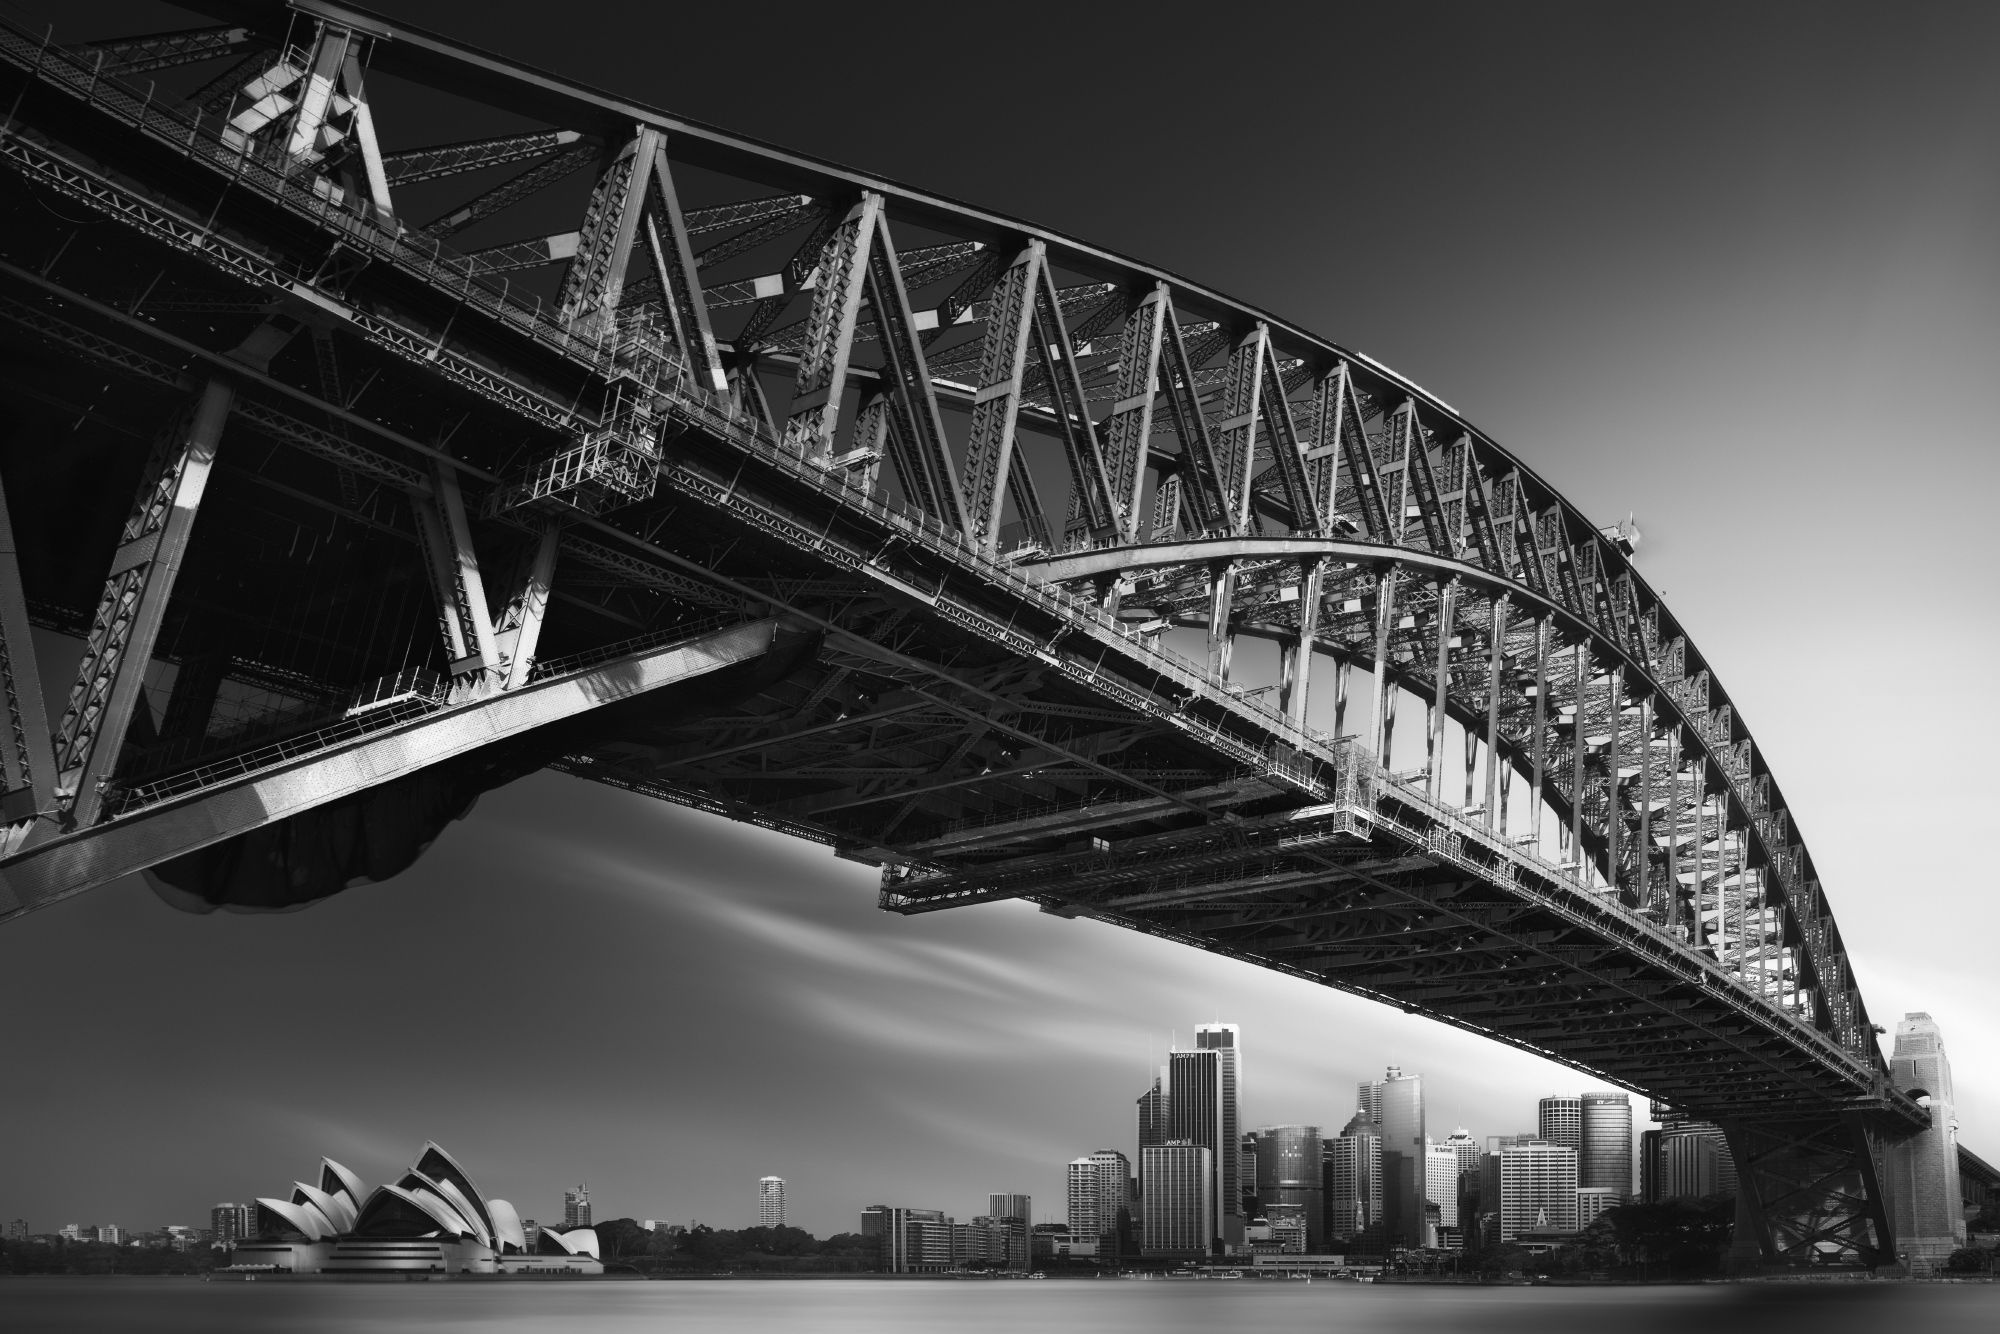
(1103, 1306)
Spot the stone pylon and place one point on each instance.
(1921, 1172)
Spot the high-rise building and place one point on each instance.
(1177, 1180)
(1561, 1122)
(770, 1201)
(1537, 1189)
(231, 1223)
(1201, 1109)
(1291, 1228)
(1401, 1110)
(1289, 1170)
(576, 1207)
(1605, 1159)
(1226, 1041)
(1354, 1181)
(1684, 1160)
(111, 1234)
(1100, 1191)
(1000, 1205)
(1368, 1098)
(16, 1229)
(1153, 1114)
(908, 1241)
(1441, 1182)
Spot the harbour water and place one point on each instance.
(189, 1306)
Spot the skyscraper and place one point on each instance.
(770, 1202)
(1561, 1122)
(1200, 1091)
(1403, 1186)
(1100, 1189)
(1178, 1181)
(576, 1207)
(1226, 1041)
(1441, 1181)
(1605, 1159)
(1289, 1172)
(1153, 1114)
(1354, 1180)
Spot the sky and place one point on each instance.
(1730, 269)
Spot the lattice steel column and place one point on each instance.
(26, 761)
(1447, 617)
(1382, 714)
(1496, 661)
(996, 406)
(1130, 425)
(112, 674)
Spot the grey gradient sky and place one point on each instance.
(1730, 267)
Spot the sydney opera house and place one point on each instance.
(432, 1219)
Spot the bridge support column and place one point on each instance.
(26, 771)
(1922, 1170)
(1808, 1193)
(454, 571)
(1441, 692)
(1295, 666)
(133, 606)
(1221, 594)
(1382, 717)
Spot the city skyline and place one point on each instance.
(1594, 289)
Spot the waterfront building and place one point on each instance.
(1560, 1122)
(17, 1229)
(1354, 1181)
(1535, 1185)
(1604, 1160)
(908, 1241)
(576, 1207)
(1099, 1195)
(770, 1202)
(1441, 1182)
(431, 1219)
(1287, 1170)
(1401, 1109)
(1592, 1201)
(1177, 1180)
(111, 1234)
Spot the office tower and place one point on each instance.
(1402, 1127)
(1201, 1109)
(908, 1241)
(770, 1202)
(1288, 1170)
(1605, 1160)
(1010, 1216)
(1368, 1098)
(1153, 1114)
(1495, 1143)
(1354, 1180)
(231, 1223)
(1177, 1180)
(1537, 1189)
(1226, 1041)
(1100, 1190)
(110, 1234)
(1561, 1122)
(576, 1207)
(17, 1229)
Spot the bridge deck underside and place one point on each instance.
(981, 717)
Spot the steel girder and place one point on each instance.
(1168, 456)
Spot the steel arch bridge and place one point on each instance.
(531, 427)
